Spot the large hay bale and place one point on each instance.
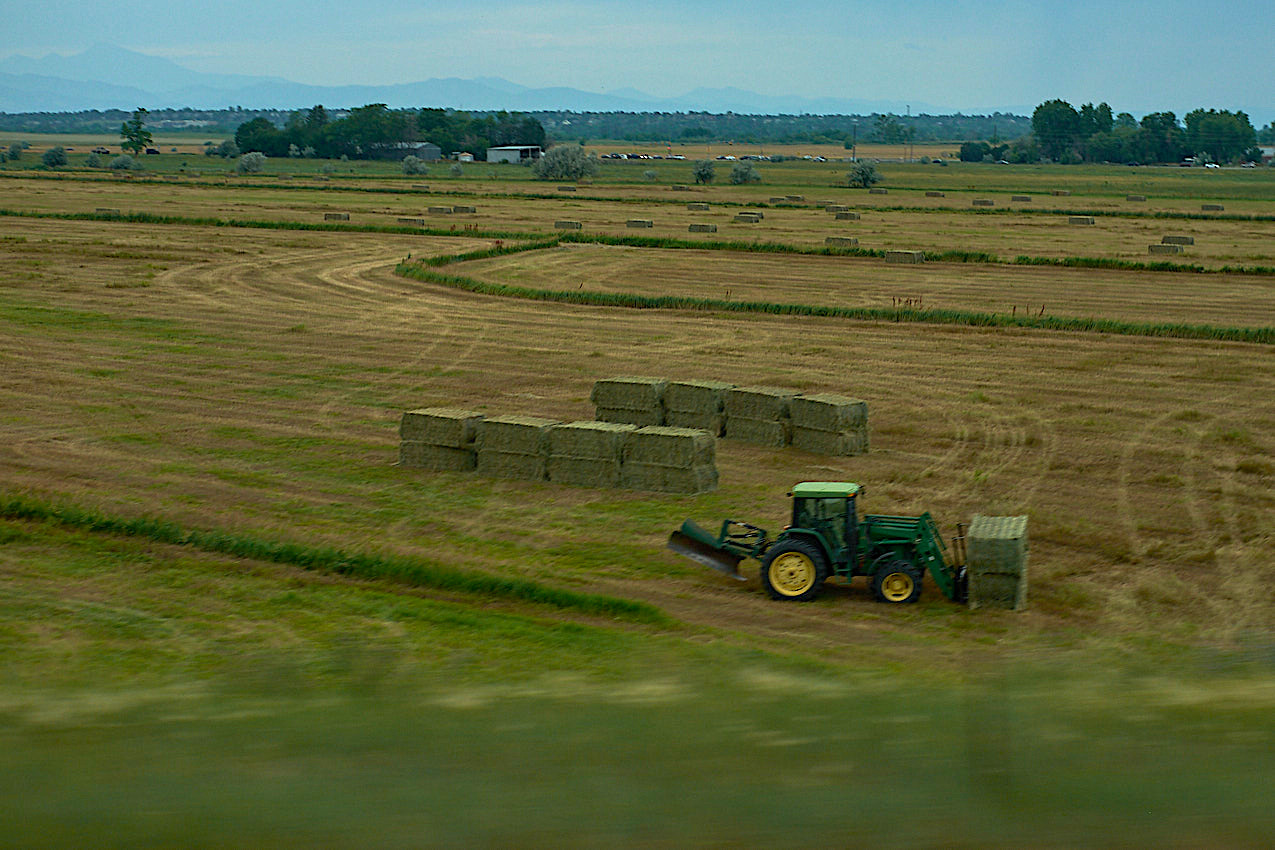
(996, 560)
(525, 435)
(905, 256)
(841, 444)
(779, 200)
(686, 481)
(423, 187)
(795, 199)
(847, 216)
(681, 447)
(1061, 193)
(440, 426)
(415, 222)
(584, 472)
(639, 222)
(1022, 199)
(836, 208)
(776, 433)
(629, 393)
(876, 191)
(935, 195)
(747, 218)
(984, 202)
(1161, 248)
(106, 211)
(841, 241)
(589, 440)
(523, 467)
(336, 216)
(1212, 207)
(679, 188)
(713, 423)
(464, 209)
(696, 396)
(564, 224)
(762, 403)
(1080, 219)
(702, 228)
(566, 188)
(828, 412)
(439, 210)
(697, 207)
(417, 455)
(1178, 240)
(1135, 197)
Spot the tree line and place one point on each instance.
(1062, 133)
(376, 132)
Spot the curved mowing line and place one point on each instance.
(419, 271)
(408, 571)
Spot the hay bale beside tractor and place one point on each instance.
(996, 561)
(587, 454)
(759, 415)
(669, 460)
(830, 424)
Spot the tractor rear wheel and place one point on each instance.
(794, 570)
(897, 582)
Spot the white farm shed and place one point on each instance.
(513, 153)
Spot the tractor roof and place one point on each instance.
(825, 489)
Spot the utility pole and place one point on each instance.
(854, 142)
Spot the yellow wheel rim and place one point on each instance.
(897, 586)
(792, 573)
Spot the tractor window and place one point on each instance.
(826, 515)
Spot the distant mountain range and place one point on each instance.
(107, 77)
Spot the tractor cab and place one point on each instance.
(827, 510)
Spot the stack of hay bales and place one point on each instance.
(1135, 197)
(438, 438)
(639, 222)
(759, 415)
(702, 228)
(875, 191)
(984, 202)
(1177, 240)
(795, 199)
(669, 460)
(1080, 219)
(439, 210)
(697, 207)
(566, 188)
(996, 559)
(633, 401)
(679, 188)
(905, 256)
(841, 241)
(935, 195)
(563, 224)
(587, 454)
(836, 208)
(1061, 193)
(464, 209)
(696, 404)
(336, 216)
(1212, 207)
(514, 447)
(415, 222)
(847, 216)
(829, 424)
(1162, 248)
(779, 200)
(748, 217)
(1021, 198)
(423, 187)
(110, 211)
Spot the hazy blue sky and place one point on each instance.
(1137, 56)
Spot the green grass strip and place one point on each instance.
(413, 572)
(419, 271)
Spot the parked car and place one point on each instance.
(100, 149)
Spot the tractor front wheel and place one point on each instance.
(794, 570)
(897, 582)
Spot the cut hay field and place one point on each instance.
(1139, 296)
(249, 382)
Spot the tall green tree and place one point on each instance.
(133, 133)
(1056, 126)
(1221, 135)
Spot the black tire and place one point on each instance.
(793, 571)
(897, 582)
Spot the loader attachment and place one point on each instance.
(737, 541)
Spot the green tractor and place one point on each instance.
(828, 538)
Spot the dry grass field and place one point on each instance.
(251, 380)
